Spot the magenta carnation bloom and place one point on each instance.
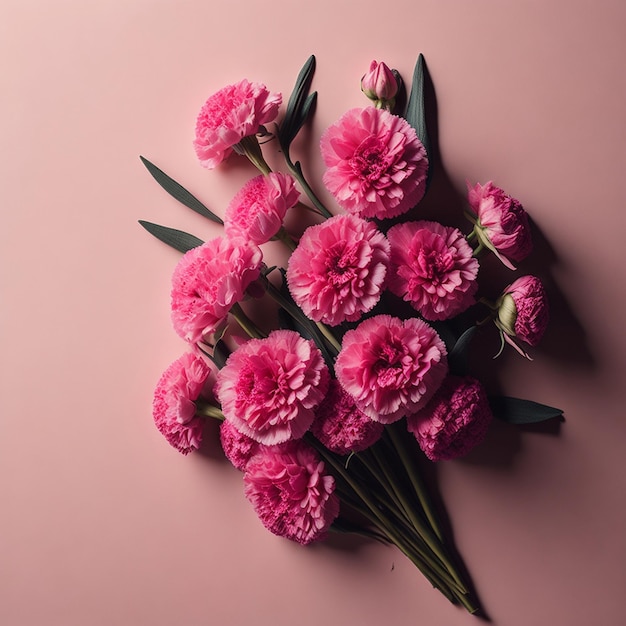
(208, 281)
(523, 310)
(290, 492)
(238, 448)
(501, 222)
(256, 213)
(376, 164)
(174, 408)
(338, 270)
(341, 426)
(391, 367)
(454, 421)
(432, 268)
(234, 112)
(269, 388)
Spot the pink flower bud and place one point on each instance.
(380, 85)
(523, 311)
(501, 224)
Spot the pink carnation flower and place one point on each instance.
(454, 421)
(256, 213)
(206, 283)
(523, 310)
(432, 268)
(290, 492)
(234, 112)
(174, 408)
(238, 448)
(341, 426)
(269, 388)
(391, 367)
(338, 270)
(376, 164)
(502, 221)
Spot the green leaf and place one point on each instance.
(178, 192)
(415, 111)
(415, 114)
(298, 106)
(518, 411)
(457, 359)
(177, 239)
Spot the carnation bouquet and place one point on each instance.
(362, 367)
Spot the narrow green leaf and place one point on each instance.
(294, 118)
(457, 359)
(177, 239)
(415, 114)
(518, 411)
(177, 191)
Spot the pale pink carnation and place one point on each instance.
(206, 283)
(269, 388)
(238, 448)
(338, 270)
(523, 310)
(256, 213)
(173, 407)
(341, 426)
(391, 367)
(454, 421)
(501, 219)
(376, 164)
(234, 112)
(291, 493)
(432, 268)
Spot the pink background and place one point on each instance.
(101, 521)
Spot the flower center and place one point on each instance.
(434, 262)
(340, 264)
(389, 367)
(369, 161)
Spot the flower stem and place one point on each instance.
(208, 410)
(296, 170)
(249, 147)
(416, 481)
(245, 322)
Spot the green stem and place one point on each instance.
(249, 147)
(207, 409)
(245, 322)
(299, 176)
(416, 481)
(297, 314)
(424, 531)
(386, 526)
(285, 237)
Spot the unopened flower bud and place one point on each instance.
(380, 85)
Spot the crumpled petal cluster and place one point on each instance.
(341, 426)
(208, 281)
(432, 268)
(531, 308)
(376, 165)
(269, 388)
(391, 367)
(291, 493)
(229, 115)
(173, 407)
(502, 219)
(454, 421)
(338, 270)
(256, 213)
(238, 448)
